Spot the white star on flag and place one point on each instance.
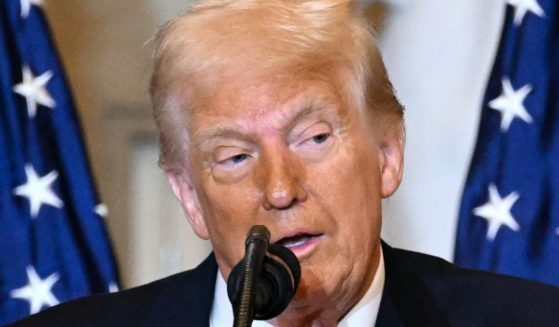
(101, 209)
(113, 288)
(26, 6)
(497, 212)
(510, 104)
(34, 90)
(557, 231)
(521, 7)
(38, 292)
(38, 190)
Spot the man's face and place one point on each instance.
(293, 156)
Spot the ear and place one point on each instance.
(392, 164)
(185, 193)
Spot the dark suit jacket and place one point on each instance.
(420, 290)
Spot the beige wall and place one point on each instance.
(105, 48)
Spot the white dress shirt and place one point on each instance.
(364, 313)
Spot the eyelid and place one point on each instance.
(314, 130)
(226, 170)
(223, 153)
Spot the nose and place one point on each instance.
(282, 181)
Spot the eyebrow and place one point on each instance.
(310, 106)
(215, 132)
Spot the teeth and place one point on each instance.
(294, 242)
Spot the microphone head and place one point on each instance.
(276, 285)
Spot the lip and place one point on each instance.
(306, 248)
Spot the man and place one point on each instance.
(280, 113)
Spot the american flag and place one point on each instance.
(509, 216)
(53, 243)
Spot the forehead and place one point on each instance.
(273, 102)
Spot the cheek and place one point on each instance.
(349, 182)
(349, 189)
(228, 213)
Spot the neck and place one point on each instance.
(322, 319)
(328, 314)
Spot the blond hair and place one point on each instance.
(217, 37)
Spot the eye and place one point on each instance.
(315, 144)
(316, 141)
(230, 157)
(320, 138)
(231, 163)
(238, 158)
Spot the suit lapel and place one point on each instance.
(388, 315)
(196, 301)
(405, 299)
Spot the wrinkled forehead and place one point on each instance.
(249, 95)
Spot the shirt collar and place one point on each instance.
(364, 313)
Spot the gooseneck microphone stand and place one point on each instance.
(256, 246)
(260, 287)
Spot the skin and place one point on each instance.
(294, 155)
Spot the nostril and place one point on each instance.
(267, 205)
(302, 194)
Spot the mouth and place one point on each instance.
(300, 243)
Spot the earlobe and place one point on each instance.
(392, 163)
(185, 193)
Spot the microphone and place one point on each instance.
(261, 286)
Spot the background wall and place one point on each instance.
(105, 46)
(438, 54)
